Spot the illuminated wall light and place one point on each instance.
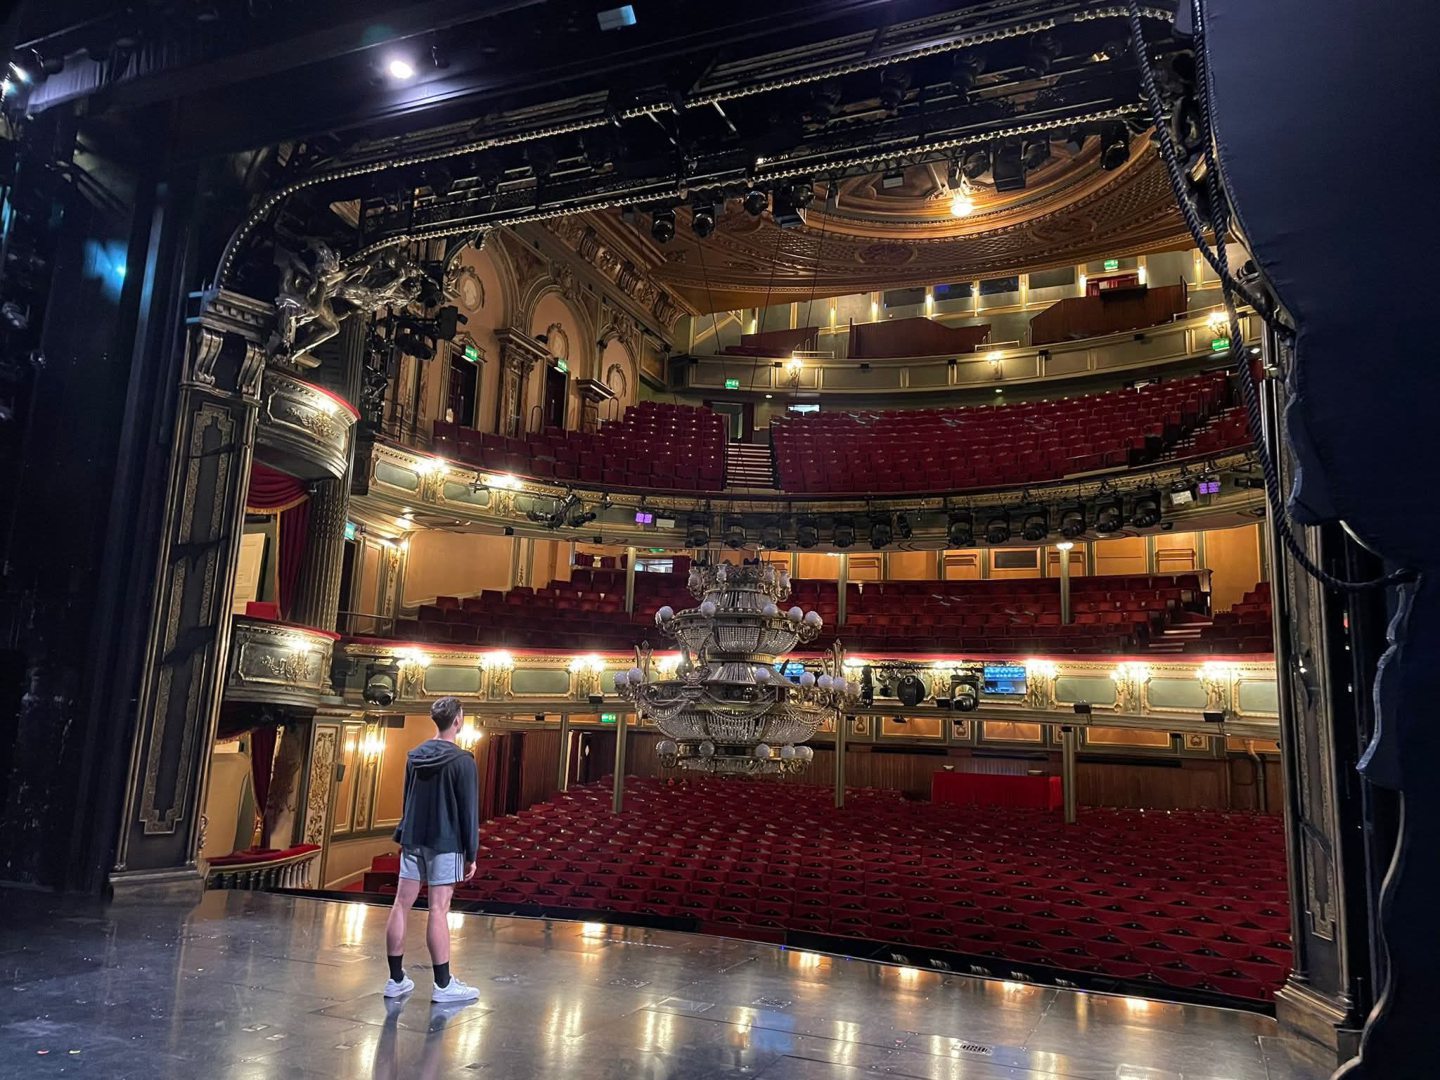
(1128, 672)
(499, 659)
(400, 69)
(1216, 671)
(503, 482)
(590, 663)
(1082, 284)
(1046, 669)
(469, 735)
(430, 466)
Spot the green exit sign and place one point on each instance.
(732, 384)
(1220, 344)
(609, 718)
(1112, 264)
(562, 367)
(472, 353)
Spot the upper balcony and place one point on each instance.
(886, 364)
(275, 663)
(304, 430)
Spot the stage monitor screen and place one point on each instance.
(1005, 680)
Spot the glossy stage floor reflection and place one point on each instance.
(259, 986)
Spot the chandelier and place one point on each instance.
(728, 707)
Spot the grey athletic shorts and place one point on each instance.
(432, 867)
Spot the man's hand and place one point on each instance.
(469, 870)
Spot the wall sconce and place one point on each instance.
(372, 743)
(589, 664)
(1217, 321)
(470, 734)
(1130, 680)
(500, 660)
(1218, 679)
(793, 367)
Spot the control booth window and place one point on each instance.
(802, 410)
(655, 566)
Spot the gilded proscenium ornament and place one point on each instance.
(728, 708)
(1040, 678)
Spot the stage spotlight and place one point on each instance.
(910, 690)
(1114, 145)
(735, 533)
(702, 219)
(867, 687)
(1075, 140)
(975, 164)
(894, 86)
(380, 682)
(807, 533)
(964, 693)
(1146, 513)
(1072, 522)
(662, 226)
(965, 71)
(961, 532)
(1035, 151)
(1040, 53)
(400, 69)
(770, 535)
(1007, 171)
(756, 201)
(788, 205)
(903, 526)
(697, 532)
(997, 528)
(541, 158)
(1109, 516)
(844, 532)
(1036, 526)
(881, 533)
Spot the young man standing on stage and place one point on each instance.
(439, 837)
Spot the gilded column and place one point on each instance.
(184, 667)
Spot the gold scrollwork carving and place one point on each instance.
(317, 800)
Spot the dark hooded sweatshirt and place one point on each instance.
(442, 800)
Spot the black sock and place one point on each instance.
(442, 975)
(397, 973)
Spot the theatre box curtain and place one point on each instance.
(279, 494)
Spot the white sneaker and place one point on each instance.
(455, 990)
(395, 989)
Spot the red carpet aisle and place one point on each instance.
(1186, 898)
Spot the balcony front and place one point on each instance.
(274, 663)
(304, 430)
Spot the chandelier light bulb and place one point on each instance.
(807, 680)
(636, 676)
(666, 747)
(762, 674)
(706, 749)
(622, 678)
(762, 751)
(708, 609)
(812, 618)
(665, 614)
(795, 614)
(770, 610)
(787, 753)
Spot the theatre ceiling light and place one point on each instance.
(997, 528)
(400, 69)
(735, 534)
(697, 532)
(1036, 526)
(1109, 516)
(756, 201)
(807, 533)
(844, 532)
(882, 533)
(702, 219)
(770, 535)
(1114, 145)
(1072, 522)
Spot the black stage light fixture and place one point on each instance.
(770, 536)
(965, 71)
(541, 158)
(1007, 171)
(975, 164)
(1036, 526)
(1146, 513)
(1075, 140)
(844, 532)
(702, 219)
(910, 690)
(903, 526)
(1035, 151)
(882, 533)
(1114, 145)
(788, 205)
(997, 528)
(961, 532)
(1109, 515)
(1040, 53)
(807, 533)
(964, 693)
(735, 533)
(662, 226)
(756, 201)
(380, 682)
(1072, 522)
(867, 687)
(894, 86)
(697, 532)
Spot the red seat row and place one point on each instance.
(1193, 899)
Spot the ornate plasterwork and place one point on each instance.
(580, 233)
(868, 241)
(317, 797)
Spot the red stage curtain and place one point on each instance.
(274, 492)
(495, 783)
(262, 764)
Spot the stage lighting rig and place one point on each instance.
(662, 226)
(420, 337)
(844, 532)
(961, 531)
(903, 528)
(882, 533)
(788, 205)
(770, 535)
(735, 533)
(997, 528)
(1072, 522)
(702, 219)
(1036, 526)
(1146, 512)
(965, 71)
(1109, 515)
(1114, 145)
(697, 531)
(807, 533)
(756, 201)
